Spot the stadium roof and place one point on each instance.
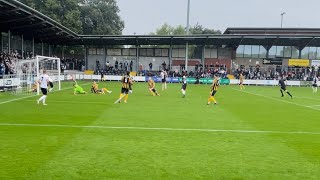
(271, 31)
(23, 20)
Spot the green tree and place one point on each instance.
(101, 17)
(199, 29)
(66, 12)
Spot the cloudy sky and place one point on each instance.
(144, 16)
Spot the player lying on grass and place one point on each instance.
(34, 87)
(77, 89)
(95, 89)
(152, 86)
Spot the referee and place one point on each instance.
(283, 87)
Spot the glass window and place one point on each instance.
(213, 53)
(312, 52)
(239, 52)
(143, 52)
(92, 51)
(150, 52)
(305, 53)
(247, 51)
(262, 52)
(175, 53)
(255, 51)
(132, 52)
(125, 52)
(165, 52)
(287, 51)
(272, 52)
(295, 53)
(279, 51)
(318, 53)
(100, 51)
(157, 52)
(182, 53)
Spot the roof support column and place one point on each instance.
(22, 48)
(170, 57)
(187, 56)
(41, 48)
(49, 50)
(203, 54)
(86, 56)
(137, 57)
(9, 41)
(62, 52)
(33, 48)
(105, 57)
(1, 41)
(300, 52)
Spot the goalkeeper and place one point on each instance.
(78, 89)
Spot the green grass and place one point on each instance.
(102, 152)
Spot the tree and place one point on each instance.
(66, 12)
(82, 16)
(199, 29)
(101, 17)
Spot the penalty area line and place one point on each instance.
(158, 129)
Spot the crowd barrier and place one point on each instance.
(14, 82)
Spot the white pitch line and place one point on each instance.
(158, 129)
(17, 99)
(310, 107)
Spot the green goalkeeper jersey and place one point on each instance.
(77, 88)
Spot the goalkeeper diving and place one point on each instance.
(77, 89)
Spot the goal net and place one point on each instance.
(28, 73)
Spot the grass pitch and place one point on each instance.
(250, 134)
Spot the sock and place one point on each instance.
(151, 92)
(209, 100)
(316, 89)
(165, 85)
(162, 87)
(41, 98)
(44, 99)
(281, 92)
(120, 96)
(126, 97)
(213, 99)
(155, 92)
(183, 92)
(289, 94)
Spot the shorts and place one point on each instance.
(241, 83)
(163, 80)
(184, 86)
(44, 91)
(124, 91)
(213, 92)
(283, 88)
(314, 85)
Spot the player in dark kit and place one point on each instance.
(283, 87)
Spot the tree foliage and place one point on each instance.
(82, 16)
(167, 29)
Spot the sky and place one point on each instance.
(145, 16)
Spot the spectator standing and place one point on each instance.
(150, 66)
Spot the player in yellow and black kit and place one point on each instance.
(152, 86)
(126, 81)
(241, 79)
(213, 91)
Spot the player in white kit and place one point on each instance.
(43, 81)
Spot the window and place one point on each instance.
(295, 53)
(100, 51)
(157, 52)
(92, 51)
(165, 52)
(142, 52)
(247, 51)
(133, 52)
(312, 52)
(279, 51)
(255, 51)
(305, 53)
(150, 52)
(240, 51)
(287, 51)
(262, 52)
(125, 52)
(272, 52)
